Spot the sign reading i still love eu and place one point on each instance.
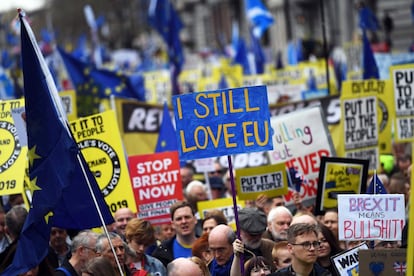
(222, 122)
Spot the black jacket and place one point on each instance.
(164, 252)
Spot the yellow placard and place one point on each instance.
(223, 204)
(68, 98)
(13, 154)
(269, 180)
(100, 142)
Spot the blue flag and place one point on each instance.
(240, 50)
(376, 186)
(102, 83)
(163, 18)
(367, 19)
(369, 64)
(259, 56)
(167, 140)
(259, 16)
(66, 194)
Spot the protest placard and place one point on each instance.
(223, 204)
(99, 140)
(403, 84)
(269, 180)
(390, 261)
(222, 122)
(13, 157)
(371, 217)
(339, 176)
(347, 263)
(300, 143)
(156, 182)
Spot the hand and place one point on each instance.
(261, 201)
(238, 247)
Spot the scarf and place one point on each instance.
(221, 270)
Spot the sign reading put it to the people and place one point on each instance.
(222, 122)
(371, 217)
(269, 180)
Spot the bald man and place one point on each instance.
(122, 216)
(183, 267)
(220, 241)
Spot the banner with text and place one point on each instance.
(269, 180)
(13, 157)
(403, 84)
(371, 217)
(346, 263)
(99, 140)
(300, 143)
(225, 122)
(156, 182)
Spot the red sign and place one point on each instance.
(156, 182)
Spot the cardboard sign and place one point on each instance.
(346, 263)
(225, 122)
(13, 157)
(269, 180)
(300, 143)
(204, 165)
(223, 204)
(383, 262)
(371, 217)
(156, 182)
(99, 140)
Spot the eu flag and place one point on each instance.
(376, 186)
(102, 83)
(259, 16)
(369, 64)
(167, 140)
(65, 194)
(259, 56)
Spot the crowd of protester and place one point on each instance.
(271, 239)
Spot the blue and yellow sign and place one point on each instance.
(222, 122)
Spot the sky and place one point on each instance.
(27, 5)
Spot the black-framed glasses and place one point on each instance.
(307, 245)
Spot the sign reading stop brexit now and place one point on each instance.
(222, 122)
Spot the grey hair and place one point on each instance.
(102, 238)
(84, 238)
(277, 211)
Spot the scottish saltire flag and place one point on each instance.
(259, 16)
(65, 193)
(376, 186)
(163, 18)
(259, 56)
(167, 140)
(369, 65)
(102, 83)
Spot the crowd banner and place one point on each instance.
(382, 89)
(339, 176)
(12, 154)
(223, 204)
(68, 98)
(222, 122)
(403, 84)
(371, 217)
(270, 180)
(138, 121)
(157, 86)
(390, 261)
(98, 138)
(300, 143)
(360, 129)
(156, 182)
(347, 262)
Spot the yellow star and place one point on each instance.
(48, 215)
(32, 185)
(163, 143)
(32, 155)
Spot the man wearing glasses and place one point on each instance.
(303, 245)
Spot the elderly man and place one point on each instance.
(303, 245)
(83, 250)
(278, 221)
(183, 267)
(253, 224)
(220, 241)
(103, 248)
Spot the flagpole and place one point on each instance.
(325, 47)
(235, 210)
(99, 213)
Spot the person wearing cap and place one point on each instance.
(253, 223)
(217, 187)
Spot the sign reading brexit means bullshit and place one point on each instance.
(222, 122)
